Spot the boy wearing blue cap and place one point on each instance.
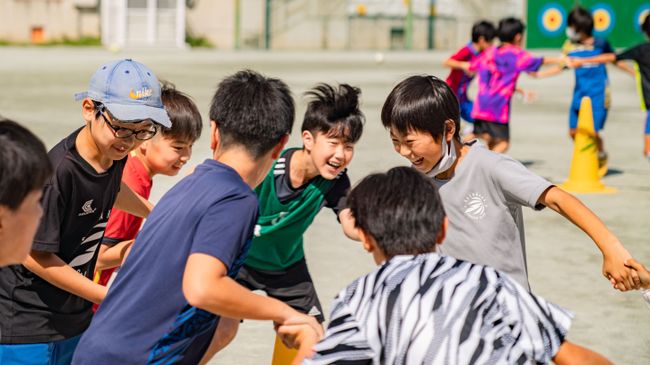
(46, 303)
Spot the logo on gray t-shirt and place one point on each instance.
(475, 206)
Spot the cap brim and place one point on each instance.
(128, 113)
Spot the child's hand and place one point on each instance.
(614, 269)
(302, 337)
(642, 271)
(573, 62)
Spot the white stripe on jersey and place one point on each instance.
(431, 309)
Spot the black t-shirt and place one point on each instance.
(334, 198)
(76, 204)
(640, 54)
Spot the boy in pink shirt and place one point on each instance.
(497, 70)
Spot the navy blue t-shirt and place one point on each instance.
(145, 318)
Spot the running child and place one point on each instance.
(178, 279)
(46, 303)
(641, 55)
(301, 183)
(483, 34)
(419, 307)
(164, 154)
(24, 168)
(483, 192)
(497, 70)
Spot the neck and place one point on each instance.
(302, 168)
(144, 161)
(251, 171)
(89, 151)
(461, 150)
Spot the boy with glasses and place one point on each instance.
(46, 303)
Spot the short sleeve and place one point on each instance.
(121, 226)
(538, 327)
(344, 340)
(529, 63)
(463, 54)
(336, 197)
(225, 228)
(519, 185)
(475, 64)
(633, 53)
(48, 235)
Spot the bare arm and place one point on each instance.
(602, 58)
(206, 286)
(131, 202)
(572, 354)
(300, 336)
(112, 256)
(614, 254)
(347, 224)
(457, 65)
(55, 271)
(548, 71)
(625, 67)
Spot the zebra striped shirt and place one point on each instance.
(433, 309)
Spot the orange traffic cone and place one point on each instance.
(281, 354)
(584, 176)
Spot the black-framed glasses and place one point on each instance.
(121, 132)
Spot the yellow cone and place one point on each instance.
(584, 177)
(281, 354)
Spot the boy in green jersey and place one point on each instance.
(302, 181)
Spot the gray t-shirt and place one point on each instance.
(483, 201)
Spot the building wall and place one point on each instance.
(57, 18)
(215, 20)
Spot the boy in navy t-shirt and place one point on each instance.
(179, 277)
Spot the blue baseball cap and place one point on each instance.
(129, 90)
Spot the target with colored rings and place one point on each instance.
(552, 19)
(640, 15)
(604, 19)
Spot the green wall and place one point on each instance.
(616, 20)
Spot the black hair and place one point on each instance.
(483, 29)
(421, 103)
(401, 209)
(509, 28)
(646, 25)
(253, 111)
(183, 113)
(24, 165)
(334, 112)
(581, 20)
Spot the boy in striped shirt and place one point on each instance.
(419, 307)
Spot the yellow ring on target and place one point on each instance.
(602, 20)
(642, 16)
(552, 19)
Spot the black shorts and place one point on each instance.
(292, 286)
(493, 129)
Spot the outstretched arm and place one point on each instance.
(131, 202)
(112, 256)
(572, 354)
(614, 254)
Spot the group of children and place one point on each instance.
(498, 67)
(236, 224)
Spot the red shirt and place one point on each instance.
(457, 79)
(121, 225)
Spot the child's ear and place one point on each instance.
(442, 233)
(450, 129)
(88, 110)
(366, 241)
(308, 140)
(214, 135)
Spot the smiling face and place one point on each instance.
(420, 148)
(163, 155)
(18, 227)
(330, 155)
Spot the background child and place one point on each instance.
(165, 154)
(24, 168)
(483, 191)
(591, 80)
(423, 308)
(303, 181)
(483, 34)
(497, 70)
(181, 270)
(46, 303)
(641, 55)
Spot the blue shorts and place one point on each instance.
(47, 353)
(647, 122)
(600, 116)
(466, 110)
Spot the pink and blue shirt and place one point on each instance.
(497, 70)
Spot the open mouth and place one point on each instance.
(418, 162)
(334, 165)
